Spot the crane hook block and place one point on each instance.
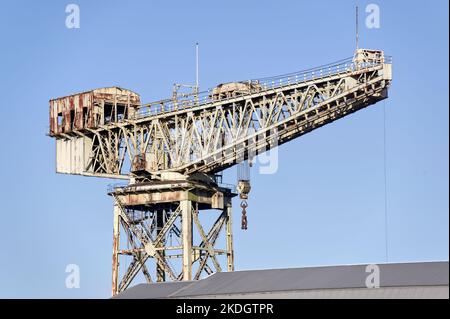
(243, 188)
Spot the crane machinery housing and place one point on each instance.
(173, 151)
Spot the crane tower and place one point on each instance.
(173, 216)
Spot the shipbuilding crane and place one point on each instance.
(171, 153)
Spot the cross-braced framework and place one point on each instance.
(160, 233)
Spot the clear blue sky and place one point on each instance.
(324, 206)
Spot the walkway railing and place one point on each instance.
(115, 186)
(268, 83)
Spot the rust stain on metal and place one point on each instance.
(90, 109)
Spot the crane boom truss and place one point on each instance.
(208, 135)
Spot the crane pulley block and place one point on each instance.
(243, 187)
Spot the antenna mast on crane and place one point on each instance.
(357, 28)
(196, 67)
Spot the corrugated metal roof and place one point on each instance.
(156, 290)
(295, 279)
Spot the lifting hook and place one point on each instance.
(244, 205)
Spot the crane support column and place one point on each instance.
(186, 220)
(166, 237)
(115, 258)
(230, 252)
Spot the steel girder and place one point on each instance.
(211, 137)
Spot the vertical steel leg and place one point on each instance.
(160, 273)
(230, 252)
(186, 215)
(115, 257)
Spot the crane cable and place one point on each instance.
(386, 238)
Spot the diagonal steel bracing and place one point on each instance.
(149, 248)
(209, 135)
